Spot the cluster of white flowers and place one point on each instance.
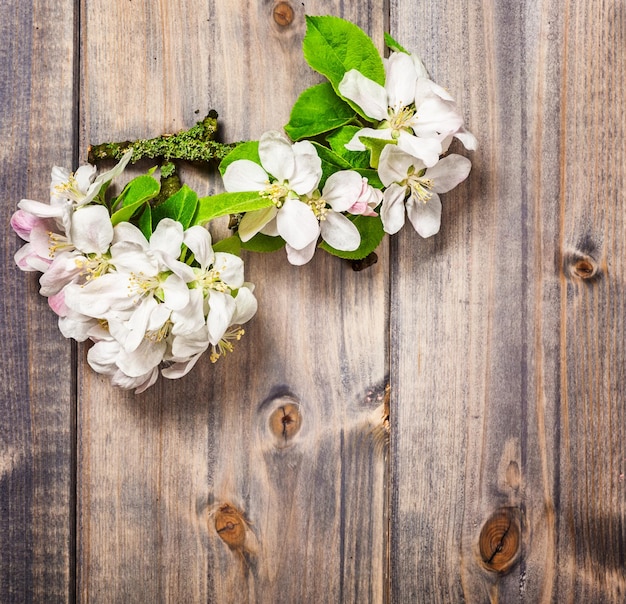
(421, 118)
(289, 176)
(415, 119)
(146, 304)
(139, 276)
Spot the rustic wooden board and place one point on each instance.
(36, 380)
(184, 492)
(504, 336)
(508, 338)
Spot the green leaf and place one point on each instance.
(263, 243)
(145, 222)
(331, 162)
(338, 140)
(393, 45)
(333, 46)
(375, 146)
(372, 233)
(138, 191)
(181, 207)
(215, 206)
(248, 150)
(142, 188)
(230, 245)
(318, 110)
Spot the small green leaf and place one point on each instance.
(145, 222)
(137, 192)
(338, 141)
(393, 45)
(181, 207)
(248, 150)
(230, 245)
(318, 110)
(263, 243)
(142, 188)
(372, 233)
(375, 146)
(333, 46)
(228, 203)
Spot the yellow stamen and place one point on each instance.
(225, 345)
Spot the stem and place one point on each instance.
(195, 144)
(170, 183)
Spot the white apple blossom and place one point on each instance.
(412, 187)
(289, 176)
(411, 110)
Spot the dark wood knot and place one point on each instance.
(500, 540)
(581, 266)
(285, 422)
(230, 526)
(283, 14)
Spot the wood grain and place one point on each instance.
(185, 494)
(508, 394)
(264, 478)
(36, 383)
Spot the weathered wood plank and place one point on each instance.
(185, 493)
(36, 382)
(507, 393)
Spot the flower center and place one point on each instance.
(318, 205)
(95, 265)
(210, 279)
(225, 345)
(276, 192)
(400, 119)
(58, 243)
(158, 335)
(141, 285)
(420, 187)
(70, 189)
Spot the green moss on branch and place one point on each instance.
(194, 144)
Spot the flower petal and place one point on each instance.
(400, 80)
(425, 217)
(230, 268)
(370, 96)
(426, 149)
(307, 170)
(392, 210)
(276, 155)
(342, 189)
(91, 231)
(244, 175)
(449, 172)
(246, 306)
(167, 237)
(221, 309)
(300, 257)
(198, 240)
(253, 222)
(297, 224)
(394, 164)
(339, 232)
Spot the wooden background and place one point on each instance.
(499, 476)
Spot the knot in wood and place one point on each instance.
(230, 526)
(581, 266)
(285, 422)
(283, 14)
(500, 540)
